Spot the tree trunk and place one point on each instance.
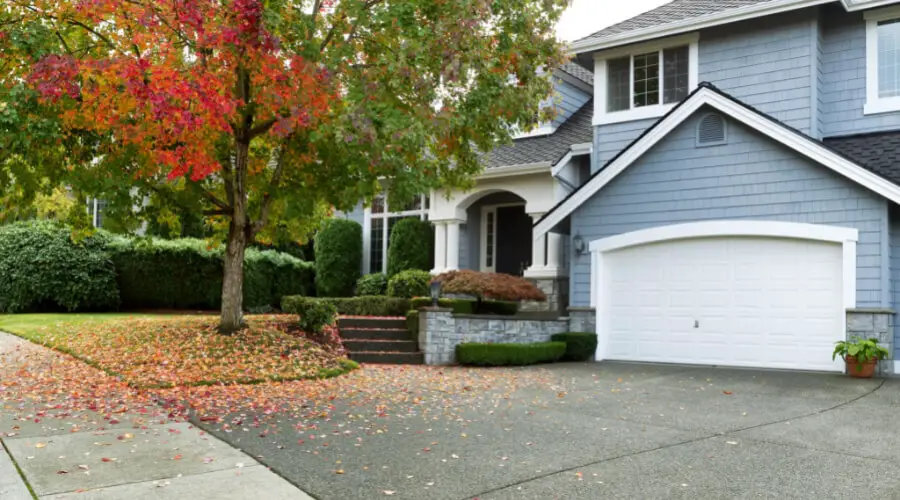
(232, 318)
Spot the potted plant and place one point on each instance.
(860, 355)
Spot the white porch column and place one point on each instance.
(452, 262)
(440, 247)
(538, 245)
(554, 251)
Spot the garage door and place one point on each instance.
(736, 301)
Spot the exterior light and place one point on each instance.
(435, 290)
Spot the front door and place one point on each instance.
(513, 240)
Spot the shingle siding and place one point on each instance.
(610, 139)
(844, 73)
(894, 228)
(570, 100)
(750, 177)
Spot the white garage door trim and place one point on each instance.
(847, 237)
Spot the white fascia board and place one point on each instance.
(855, 5)
(582, 148)
(523, 169)
(669, 29)
(576, 150)
(803, 145)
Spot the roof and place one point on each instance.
(878, 152)
(579, 72)
(706, 94)
(678, 10)
(547, 148)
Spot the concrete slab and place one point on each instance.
(159, 452)
(249, 482)
(12, 486)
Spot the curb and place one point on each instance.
(12, 484)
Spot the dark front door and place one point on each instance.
(513, 240)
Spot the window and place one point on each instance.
(882, 61)
(382, 220)
(644, 82)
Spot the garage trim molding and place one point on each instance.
(845, 236)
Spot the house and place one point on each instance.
(725, 193)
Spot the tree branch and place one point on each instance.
(261, 128)
(274, 183)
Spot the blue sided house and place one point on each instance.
(720, 186)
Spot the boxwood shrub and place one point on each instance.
(580, 346)
(354, 306)
(338, 249)
(314, 314)
(44, 268)
(408, 284)
(412, 324)
(410, 246)
(477, 354)
(372, 284)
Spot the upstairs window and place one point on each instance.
(644, 82)
(882, 61)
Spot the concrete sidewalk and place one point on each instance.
(93, 458)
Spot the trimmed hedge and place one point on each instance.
(409, 284)
(470, 306)
(412, 324)
(43, 268)
(410, 246)
(314, 314)
(187, 274)
(372, 284)
(353, 306)
(580, 346)
(477, 354)
(338, 249)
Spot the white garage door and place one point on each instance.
(736, 301)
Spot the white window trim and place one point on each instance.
(482, 245)
(874, 103)
(602, 117)
(369, 215)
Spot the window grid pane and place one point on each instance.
(889, 58)
(675, 74)
(646, 79)
(489, 244)
(376, 252)
(618, 79)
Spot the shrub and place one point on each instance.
(412, 324)
(495, 286)
(410, 246)
(498, 307)
(580, 346)
(372, 284)
(338, 250)
(187, 274)
(409, 284)
(42, 267)
(314, 314)
(355, 306)
(459, 306)
(509, 354)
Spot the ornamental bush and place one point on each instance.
(580, 346)
(496, 286)
(356, 306)
(477, 354)
(44, 268)
(408, 284)
(313, 314)
(338, 250)
(410, 246)
(372, 284)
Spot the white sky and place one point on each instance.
(587, 16)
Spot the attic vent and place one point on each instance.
(711, 130)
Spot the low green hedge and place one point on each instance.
(375, 305)
(412, 324)
(580, 346)
(408, 284)
(314, 314)
(372, 284)
(476, 354)
(470, 306)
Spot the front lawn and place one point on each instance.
(150, 351)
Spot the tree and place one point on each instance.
(260, 114)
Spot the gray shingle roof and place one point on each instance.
(678, 10)
(879, 152)
(578, 71)
(576, 130)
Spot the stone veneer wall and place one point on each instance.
(440, 331)
(877, 323)
(582, 319)
(557, 292)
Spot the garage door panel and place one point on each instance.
(739, 301)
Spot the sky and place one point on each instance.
(587, 16)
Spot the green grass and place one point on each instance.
(34, 326)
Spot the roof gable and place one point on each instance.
(706, 94)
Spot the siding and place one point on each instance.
(570, 99)
(610, 139)
(895, 272)
(844, 73)
(750, 177)
(818, 101)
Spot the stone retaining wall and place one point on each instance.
(877, 323)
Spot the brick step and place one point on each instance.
(389, 358)
(382, 323)
(381, 346)
(374, 334)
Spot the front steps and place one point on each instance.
(379, 341)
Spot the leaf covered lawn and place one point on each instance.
(171, 351)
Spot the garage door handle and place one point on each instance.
(696, 324)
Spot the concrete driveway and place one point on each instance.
(604, 430)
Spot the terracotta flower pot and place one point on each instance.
(860, 370)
